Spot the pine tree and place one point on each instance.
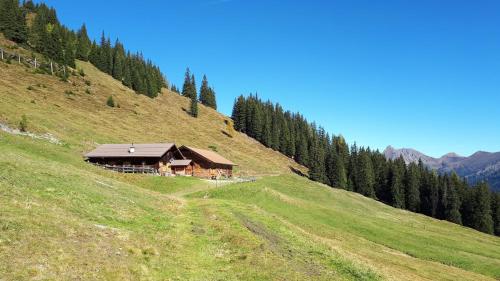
(204, 91)
(495, 198)
(396, 175)
(352, 171)
(186, 87)
(118, 61)
(412, 188)
(317, 164)
(212, 102)
(336, 170)
(481, 215)
(452, 208)
(193, 94)
(84, 44)
(239, 115)
(12, 21)
(366, 176)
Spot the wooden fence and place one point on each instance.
(136, 169)
(46, 65)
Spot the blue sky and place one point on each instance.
(423, 74)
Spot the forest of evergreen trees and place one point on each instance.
(331, 161)
(207, 94)
(37, 27)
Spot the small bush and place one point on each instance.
(81, 72)
(30, 88)
(213, 148)
(87, 82)
(23, 124)
(64, 78)
(33, 101)
(88, 92)
(110, 102)
(69, 93)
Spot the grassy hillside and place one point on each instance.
(77, 114)
(62, 219)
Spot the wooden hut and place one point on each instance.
(207, 164)
(154, 158)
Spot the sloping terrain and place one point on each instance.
(63, 219)
(77, 114)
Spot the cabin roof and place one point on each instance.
(209, 155)
(183, 162)
(122, 150)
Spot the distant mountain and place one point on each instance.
(479, 166)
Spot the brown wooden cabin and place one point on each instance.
(207, 164)
(158, 158)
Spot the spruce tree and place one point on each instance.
(83, 45)
(481, 216)
(239, 114)
(397, 172)
(186, 87)
(412, 188)
(12, 21)
(495, 199)
(204, 91)
(118, 61)
(452, 208)
(193, 94)
(366, 176)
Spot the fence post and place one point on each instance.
(51, 68)
(1, 50)
(19, 58)
(35, 62)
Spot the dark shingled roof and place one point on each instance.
(122, 150)
(209, 155)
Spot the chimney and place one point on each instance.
(131, 149)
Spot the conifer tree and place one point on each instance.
(397, 172)
(204, 91)
(118, 61)
(186, 87)
(495, 199)
(412, 188)
(481, 215)
(193, 94)
(84, 44)
(366, 176)
(452, 208)
(239, 114)
(12, 21)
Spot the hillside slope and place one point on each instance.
(82, 120)
(63, 219)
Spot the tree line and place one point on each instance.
(206, 97)
(332, 161)
(37, 27)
